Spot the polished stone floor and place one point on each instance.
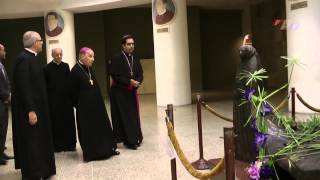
(150, 161)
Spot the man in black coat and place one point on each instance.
(4, 103)
(32, 137)
(60, 108)
(94, 128)
(127, 75)
(250, 62)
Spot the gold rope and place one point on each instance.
(281, 104)
(200, 175)
(215, 113)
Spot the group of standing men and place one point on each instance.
(43, 100)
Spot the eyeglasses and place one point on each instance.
(129, 44)
(39, 40)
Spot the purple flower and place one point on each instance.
(254, 171)
(253, 124)
(266, 171)
(248, 93)
(265, 109)
(261, 139)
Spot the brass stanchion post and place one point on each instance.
(169, 112)
(229, 151)
(201, 163)
(293, 107)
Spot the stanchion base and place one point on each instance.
(240, 166)
(202, 164)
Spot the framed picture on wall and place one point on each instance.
(163, 11)
(53, 24)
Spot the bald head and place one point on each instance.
(56, 54)
(2, 52)
(32, 40)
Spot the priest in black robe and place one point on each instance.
(60, 108)
(31, 126)
(94, 128)
(250, 62)
(127, 75)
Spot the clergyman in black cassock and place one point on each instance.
(250, 62)
(31, 126)
(60, 107)
(94, 128)
(127, 75)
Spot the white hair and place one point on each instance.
(56, 48)
(29, 38)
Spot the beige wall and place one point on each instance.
(149, 84)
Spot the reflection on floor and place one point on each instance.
(150, 161)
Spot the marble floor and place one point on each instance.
(150, 161)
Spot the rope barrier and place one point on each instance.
(198, 174)
(281, 104)
(306, 104)
(215, 113)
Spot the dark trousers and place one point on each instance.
(3, 126)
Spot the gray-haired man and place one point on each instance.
(32, 137)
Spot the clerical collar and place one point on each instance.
(56, 62)
(127, 54)
(81, 63)
(31, 51)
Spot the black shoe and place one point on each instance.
(139, 143)
(115, 152)
(7, 157)
(3, 162)
(132, 146)
(28, 178)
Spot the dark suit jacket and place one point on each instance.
(4, 88)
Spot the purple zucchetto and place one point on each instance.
(84, 50)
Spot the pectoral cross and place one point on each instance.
(91, 82)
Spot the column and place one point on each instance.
(303, 37)
(171, 52)
(65, 39)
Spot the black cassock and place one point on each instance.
(33, 145)
(60, 107)
(250, 62)
(94, 129)
(124, 100)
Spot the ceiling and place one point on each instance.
(33, 8)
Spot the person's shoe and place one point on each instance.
(115, 152)
(139, 143)
(132, 146)
(3, 162)
(7, 157)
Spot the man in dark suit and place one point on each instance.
(31, 126)
(61, 110)
(4, 103)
